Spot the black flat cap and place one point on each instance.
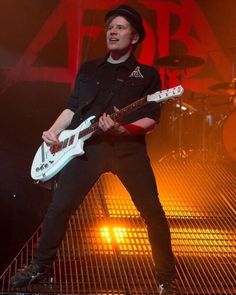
(132, 16)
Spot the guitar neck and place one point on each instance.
(158, 97)
(117, 115)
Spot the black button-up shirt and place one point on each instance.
(101, 85)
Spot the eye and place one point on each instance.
(117, 27)
(120, 27)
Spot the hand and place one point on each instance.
(106, 124)
(50, 137)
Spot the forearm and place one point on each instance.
(62, 122)
(141, 126)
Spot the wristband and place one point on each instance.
(134, 129)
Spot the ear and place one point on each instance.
(135, 38)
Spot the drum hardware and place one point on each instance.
(218, 136)
(228, 88)
(220, 104)
(207, 121)
(211, 141)
(228, 135)
(226, 125)
(181, 152)
(186, 108)
(214, 144)
(223, 146)
(181, 63)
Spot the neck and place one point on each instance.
(115, 59)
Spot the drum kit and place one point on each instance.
(198, 130)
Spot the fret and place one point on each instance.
(64, 143)
(71, 139)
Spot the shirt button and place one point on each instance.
(98, 82)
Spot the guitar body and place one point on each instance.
(47, 163)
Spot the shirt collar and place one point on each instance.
(129, 63)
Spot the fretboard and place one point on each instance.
(116, 115)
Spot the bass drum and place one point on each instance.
(229, 135)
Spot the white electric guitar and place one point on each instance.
(49, 160)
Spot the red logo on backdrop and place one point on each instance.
(171, 28)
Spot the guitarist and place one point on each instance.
(103, 86)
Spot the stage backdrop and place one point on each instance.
(43, 43)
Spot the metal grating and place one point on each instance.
(106, 250)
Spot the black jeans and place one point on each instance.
(133, 168)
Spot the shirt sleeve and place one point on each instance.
(73, 100)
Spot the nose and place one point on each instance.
(113, 31)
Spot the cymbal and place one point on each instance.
(225, 87)
(179, 61)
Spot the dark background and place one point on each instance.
(29, 107)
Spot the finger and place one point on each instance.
(47, 136)
(109, 123)
(54, 137)
(116, 109)
(48, 141)
(50, 137)
(103, 117)
(101, 123)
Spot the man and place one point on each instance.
(103, 86)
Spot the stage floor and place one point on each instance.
(106, 250)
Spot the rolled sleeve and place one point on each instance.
(73, 100)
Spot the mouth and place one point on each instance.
(113, 40)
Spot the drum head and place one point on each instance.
(229, 135)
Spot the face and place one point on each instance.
(120, 37)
